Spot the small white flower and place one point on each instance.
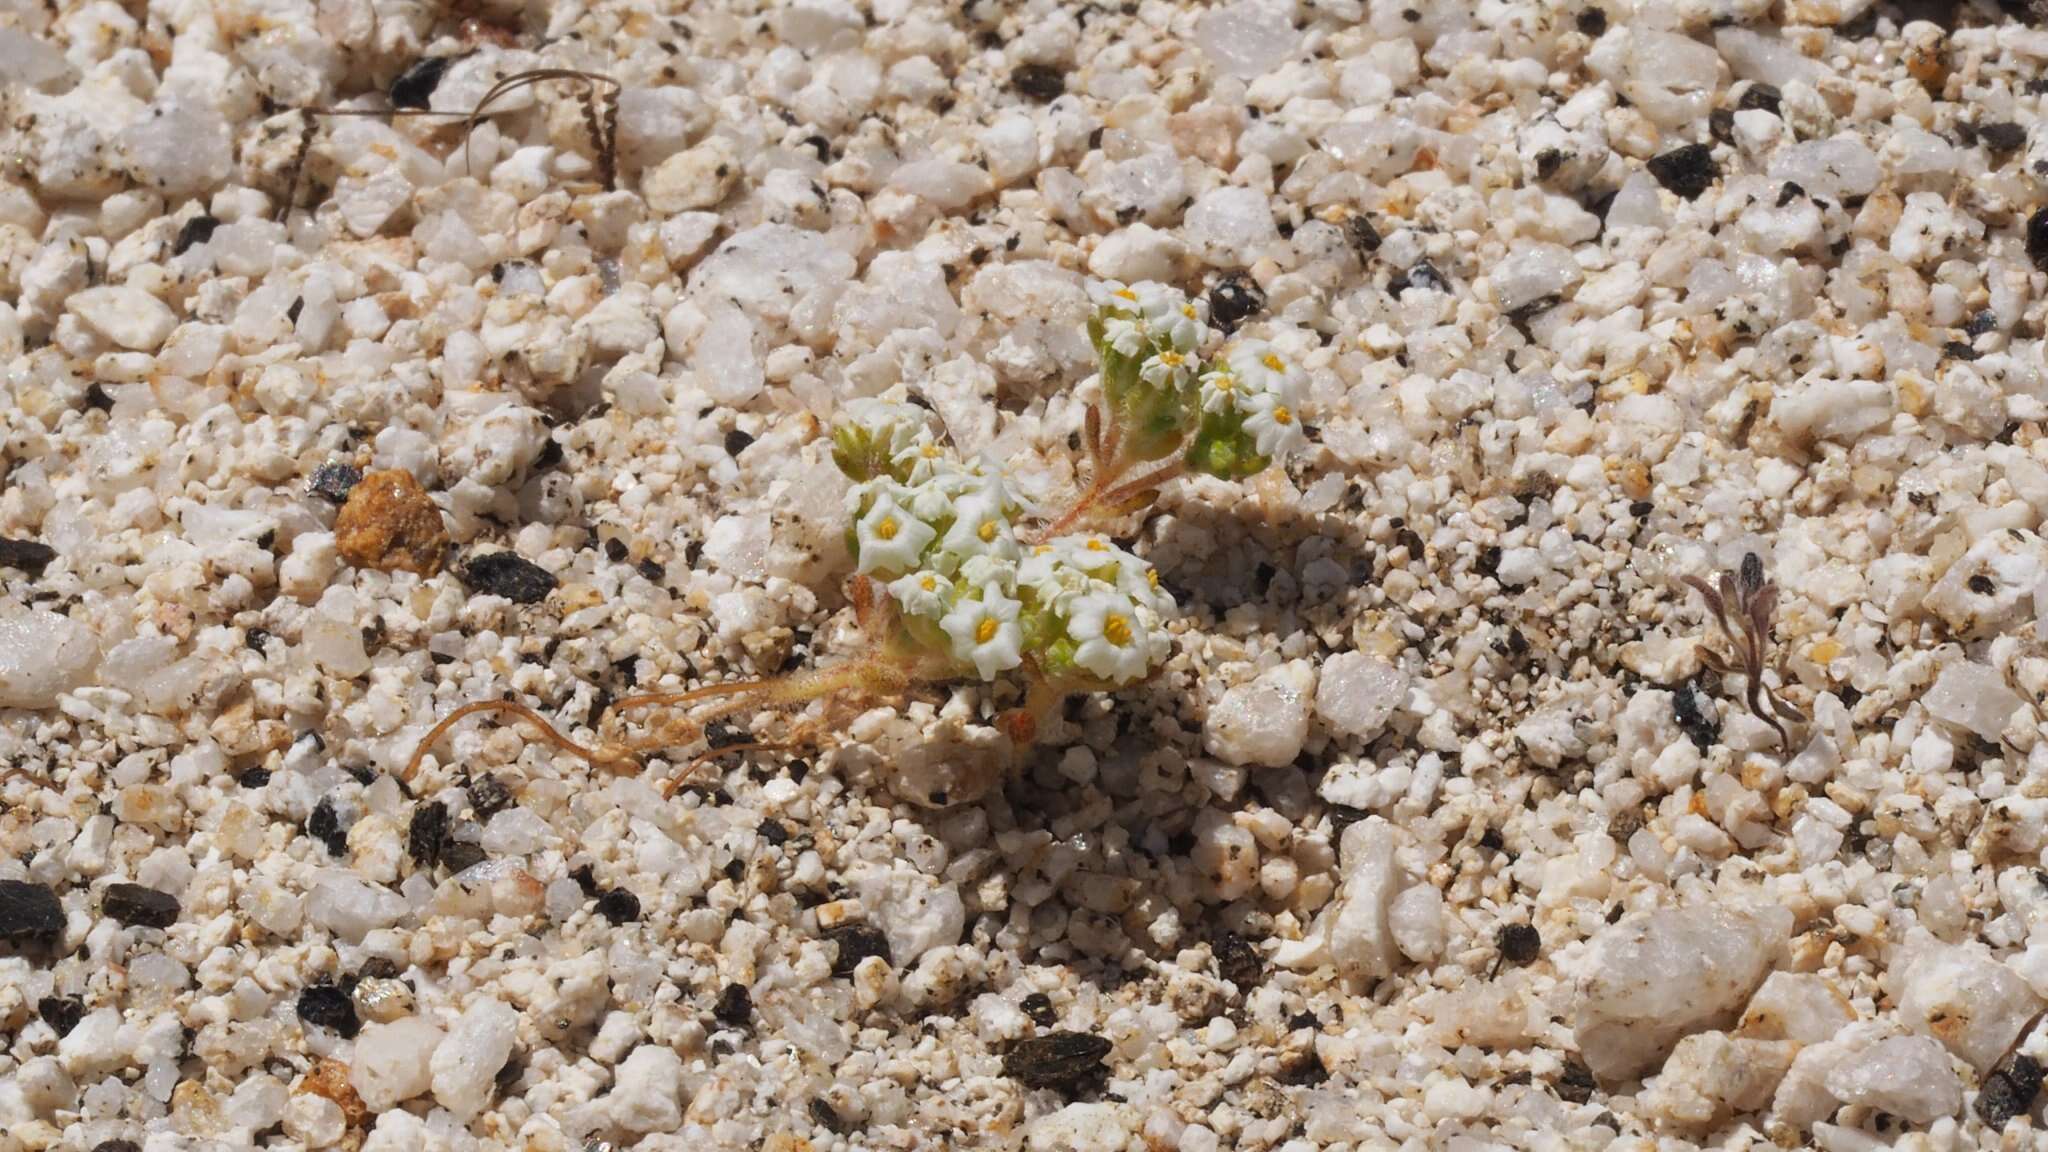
(1051, 581)
(985, 633)
(1172, 319)
(1140, 581)
(1274, 426)
(894, 427)
(925, 594)
(1125, 335)
(889, 538)
(985, 573)
(1261, 371)
(919, 459)
(932, 501)
(1091, 554)
(1112, 642)
(1168, 369)
(1112, 295)
(1220, 388)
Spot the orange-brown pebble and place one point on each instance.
(389, 523)
(329, 1078)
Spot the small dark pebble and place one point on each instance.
(415, 86)
(510, 575)
(618, 906)
(117, 1146)
(1548, 162)
(1687, 170)
(1574, 1084)
(1593, 22)
(615, 550)
(1981, 585)
(1038, 1006)
(1518, 943)
(1984, 321)
(1235, 299)
(291, 314)
(856, 943)
(1957, 350)
(1721, 125)
(1641, 508)
(1238, 961)
(488, 796)
(1365, 239)
(325, 1006)
(1301, 1020)
(774, 833)
(827, 1117)
(378, 968)
(736, 442)
(1065, 1060)
(30, 556)
(586, 878)
(1759, 97)
(2009, 1091)
(197, 230)
(97, 400)
(323, 825)
(427, 832)
(333, 482)
(1696, 715)
(1422, 275)
(142, 907)
(2003, 136)
(2037, 239)
(255, 638)
(735, 1006)
(651, 571)
(460, 856)
(1039, 82)
(61, 1013)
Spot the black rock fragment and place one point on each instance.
(1068, 1061)
(30, 556)
(1687, 170)
(1235, 299)
(61, 1013)
(427, 832)
(1238, 961)
(618, 906)
(415, 86)
(510, 575)
(1696, 715)
(2009, 1091)
(325, 1006)
(197, 230)
(1518, 943)
(1039, 82)
(856, 943)
(333, 482)
(2037, 239)
(138, 906)
(735, 1006)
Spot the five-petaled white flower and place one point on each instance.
(1111, 639)
(989, 573)
(1177, 322)
(926, 594)
(1168, 369)
(985, 633)
(1274, 426)
(980, 529)
(890, 539)
(1220, 388)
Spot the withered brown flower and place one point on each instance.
(1743, 605)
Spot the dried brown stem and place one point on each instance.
(1743, 606)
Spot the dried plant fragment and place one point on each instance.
(1743, 605)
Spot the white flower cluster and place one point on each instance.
(1252, 381)
(1153, 323)
(940, 536)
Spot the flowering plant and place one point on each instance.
(953, 579)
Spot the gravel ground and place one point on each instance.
(1455, 818)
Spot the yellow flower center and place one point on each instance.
(1281, 415)
(1273, 362)
(1188, 310)
(1117, 631)
(930, 583)
(1152, 577)
(1225, 382)
(1170, 359)
(886, 530)
(985, 631)
(931, 451)
(1042, 550)
(1126, 293)
(987, 532)
(1097, 546)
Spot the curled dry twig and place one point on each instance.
(1743, 605)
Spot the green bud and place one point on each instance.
(1223, 449)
